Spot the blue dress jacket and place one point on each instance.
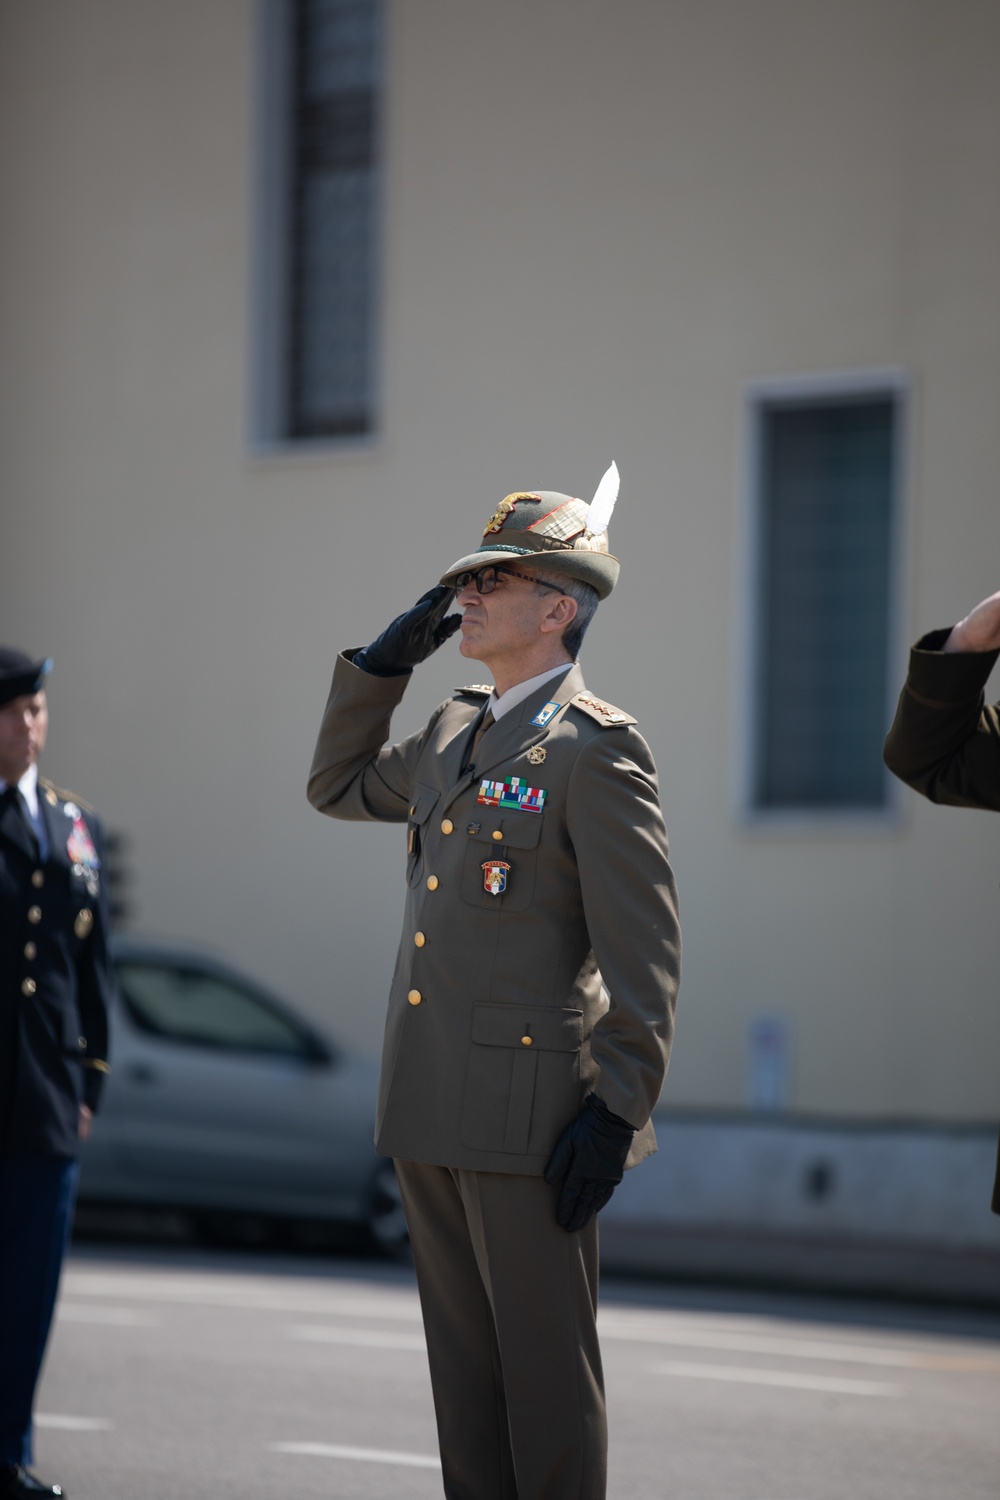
(55, 974)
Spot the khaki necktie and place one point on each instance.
(484, 724)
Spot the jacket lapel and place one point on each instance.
(14, 825)
(515, 732)
(453, 757)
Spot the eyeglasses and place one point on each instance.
(486, 579)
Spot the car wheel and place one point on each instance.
(386, 1221)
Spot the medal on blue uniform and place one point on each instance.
(495, 873)
(80, 848)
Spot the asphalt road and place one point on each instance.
(176, 1373)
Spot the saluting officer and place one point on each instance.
(531, 1010)
(54, 991)
(945, 739)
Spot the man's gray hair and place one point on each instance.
(587, 600)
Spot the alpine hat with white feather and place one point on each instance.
(560, 534)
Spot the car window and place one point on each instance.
(187, 1005)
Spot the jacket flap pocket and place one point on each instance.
(423, 800)
(520, 830)
(528, 1026)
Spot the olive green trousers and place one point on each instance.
(509, 1302)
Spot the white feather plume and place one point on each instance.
(603, 503)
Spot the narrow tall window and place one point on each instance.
(825, 500)
(331, 216)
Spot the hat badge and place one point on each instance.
(506, 508)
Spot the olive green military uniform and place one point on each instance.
(945, 739)
(538, 963)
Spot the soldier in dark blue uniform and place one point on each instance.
(55, 983)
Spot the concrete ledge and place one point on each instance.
(888, 1210)
(753, 1258)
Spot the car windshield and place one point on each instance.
(186, 1005)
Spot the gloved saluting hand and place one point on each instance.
(588, 1163)
(412, 636)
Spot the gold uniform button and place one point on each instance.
(432, 882)
(34, 914)
(526, 1041)
(498, 834)
(28, 986)
(447, 826)
(30, 951)
(414, 997)
(38, 879)
(412, 811)
(419, 939)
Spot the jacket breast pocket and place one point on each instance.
(522, 1084)
(423, 801)
(500, 857)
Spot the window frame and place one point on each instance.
(270, 339)
(759, 398)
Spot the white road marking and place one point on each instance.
(787, 1379)
(358, 1455)
(125, 1317)
(395, 1304)
(73, 1424)
(361, 1338)
(739, 1343)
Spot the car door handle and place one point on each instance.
(142, 1073)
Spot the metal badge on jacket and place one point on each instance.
(495, 872)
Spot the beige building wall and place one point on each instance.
(602, 225)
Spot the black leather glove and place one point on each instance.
(412, 636)
(588, 1163)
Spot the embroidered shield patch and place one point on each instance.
(495, 876)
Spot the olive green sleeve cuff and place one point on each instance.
(940, 678)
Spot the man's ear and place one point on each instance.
(560, 613)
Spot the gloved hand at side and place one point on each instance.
(588, 1162)
(412, 636)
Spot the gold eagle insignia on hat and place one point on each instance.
(505, 508)
(560, 533)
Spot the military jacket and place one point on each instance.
(55, 979)
(540, 953)
(945, 739)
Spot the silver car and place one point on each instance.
(225, 1103)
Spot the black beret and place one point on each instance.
(19, 675)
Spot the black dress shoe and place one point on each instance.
(17, 1484)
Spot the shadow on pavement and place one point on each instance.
(168, 1240)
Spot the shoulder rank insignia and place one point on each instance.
(55, 794)
(604, 713)
(477, 689)
(544, 714)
